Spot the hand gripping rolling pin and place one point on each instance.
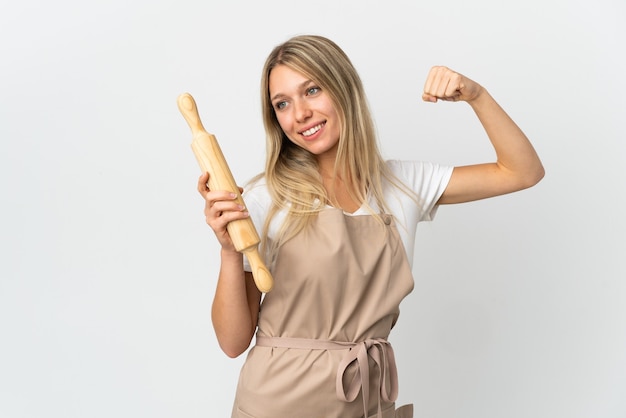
(211, 160)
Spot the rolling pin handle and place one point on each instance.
(187, 106)
(262, 277)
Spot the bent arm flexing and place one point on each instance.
(517, 164)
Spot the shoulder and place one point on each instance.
(422, 184)
(417, 174)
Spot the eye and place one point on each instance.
(280, 105)
(313, 90)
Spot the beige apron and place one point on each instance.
(322, 349)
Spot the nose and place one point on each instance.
(302, 111)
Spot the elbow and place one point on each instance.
(234, 346)
(232, 354)
(533, 177)
(234, 351)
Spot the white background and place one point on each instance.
(108, 270)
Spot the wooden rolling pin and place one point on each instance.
(211, 160)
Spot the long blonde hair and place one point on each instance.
(292, 174)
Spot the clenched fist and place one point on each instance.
(444, 84)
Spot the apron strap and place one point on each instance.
(377, 349)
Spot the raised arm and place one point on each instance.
(236, 303)
(517, 165)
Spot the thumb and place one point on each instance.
(429, 98)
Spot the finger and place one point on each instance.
(219, 206)
(441, 85)
(224, 217)
(445, 87)
(219, 215)
(220, 201)
(435, 84)
(453, 89)
(433, 81)
(429, 81)
(203, 186)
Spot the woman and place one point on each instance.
(338, 228)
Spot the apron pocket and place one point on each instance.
(405, 411)
(389, 412)
(242, 414)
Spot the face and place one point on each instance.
(304, 111)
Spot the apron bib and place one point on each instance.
(322, 349)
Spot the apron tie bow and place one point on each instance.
(381, 352)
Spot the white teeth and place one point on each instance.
(314, 129)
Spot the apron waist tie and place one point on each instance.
(378, 349)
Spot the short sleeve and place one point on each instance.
(427, 180)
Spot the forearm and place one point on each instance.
(235, 306)
(516, 156)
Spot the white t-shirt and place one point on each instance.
(427, 180)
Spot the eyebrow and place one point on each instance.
(300, 86)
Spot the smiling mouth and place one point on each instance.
(313, 130)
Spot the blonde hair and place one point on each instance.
(292, 174)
